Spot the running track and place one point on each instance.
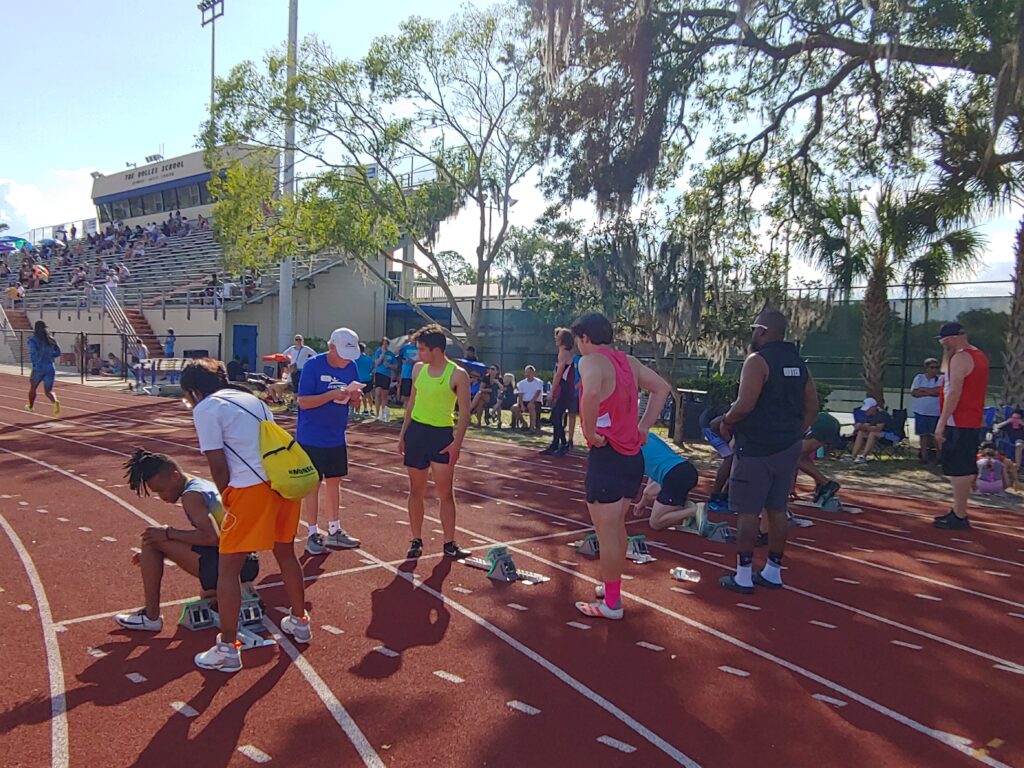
(894, 644)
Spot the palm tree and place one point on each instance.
(900, 236)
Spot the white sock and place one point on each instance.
(313, 530)
(333, 527)
(771, 572)
(743, 576)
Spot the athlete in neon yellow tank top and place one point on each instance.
(435, 398)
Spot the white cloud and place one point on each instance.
(60, 195)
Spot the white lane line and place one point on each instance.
(650, 646)
(1007, 668)
(42, 511)
(449, 677)
(558, 522)
(370, 514)
(402, 522)
(1016, 615)
(22, 503)
(714, 554)
(569, 563)
(622, 746)
(962, 541)
(902, 644)
(519, 706)
(926, 560)
(578, 625)
(385, 651)
(341, 716)
(332, 629)
(681, 590)
(108, 538)
(998, 573)
(85, 529)
(822, 624)
(24, 607)
(803, 538)
(184, 709)
(463, 590)
(830, 700)
(478, 541)
(864, 549)
(627, 577)
(734, 671)
(928, 597)
(748, 606)
(63, 520)
(517, 607)
(366, 561)
(54, 666)
(96, 653)
(845, 581)
(517, 514)
(135, 677)
(255, 754)
(475, 506)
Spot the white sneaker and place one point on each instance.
(139, 621)
(599, 610)
(223, 657)
(341, 540)
(299, 629)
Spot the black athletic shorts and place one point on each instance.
(209, 565)
(382, 381)
(612, 476)
(679, 481)
(329, 462)
(423, 445)
(960, 451)
(406, 388)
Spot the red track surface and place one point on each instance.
(895, 644)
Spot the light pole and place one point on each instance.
(211, 11)
(284, 282)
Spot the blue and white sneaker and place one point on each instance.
(718, 504)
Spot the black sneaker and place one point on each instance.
(762, 540)
(729, 582)
(563, 450)
(415, 549)
(761, 581)
(951, 522)
(549, 451)
(451, 549)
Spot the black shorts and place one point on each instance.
(209, 565)
(960, 451)
(406, 388)
(680, 480)
(423, 445)
(612, 476)
(382, 381)
(567, 400)
(329, 462)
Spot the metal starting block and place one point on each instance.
(499, 566)
(199, 614)
(636, 550)
(588, 547)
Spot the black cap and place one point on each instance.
(951, 329)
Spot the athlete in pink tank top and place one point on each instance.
(619, 414)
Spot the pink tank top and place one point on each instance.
(618, 415)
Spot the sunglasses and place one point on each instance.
(755, 326)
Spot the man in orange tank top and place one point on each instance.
(965, 382)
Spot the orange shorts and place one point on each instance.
(256, 518)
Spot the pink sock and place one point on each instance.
(613, 593)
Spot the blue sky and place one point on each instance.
(118, 79)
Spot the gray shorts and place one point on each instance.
(763, 482)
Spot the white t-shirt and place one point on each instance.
(221, 422)
(529, 389)
(298, 356)
(926, 406)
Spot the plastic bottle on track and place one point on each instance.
(685, 574)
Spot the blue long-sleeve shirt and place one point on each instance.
(42, 354)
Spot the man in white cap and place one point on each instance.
(329, 387)
(867, 431)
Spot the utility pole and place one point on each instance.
(285, 278)
(211, 11)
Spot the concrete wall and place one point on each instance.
(342, 297)
(195, 333)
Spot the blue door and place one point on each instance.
(243, 344)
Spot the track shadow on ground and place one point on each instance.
(404, 617)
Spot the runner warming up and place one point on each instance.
(615, 467)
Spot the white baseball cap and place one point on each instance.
(346, 343)
(869, 402)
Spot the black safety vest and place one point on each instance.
(778, 418)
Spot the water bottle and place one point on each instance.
(685, 574)
(718, 442)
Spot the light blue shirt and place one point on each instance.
(659, 459)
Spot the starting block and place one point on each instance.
(636, 550)
(499, 566)
(199, 614)
(588, 547)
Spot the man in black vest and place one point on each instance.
(777, 402)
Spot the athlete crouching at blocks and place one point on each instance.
(193, 550)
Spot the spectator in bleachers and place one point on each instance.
(5, 272)
(186, 226)
(868, 429)
(202, 223)
(74, 232)
(122, 272)
(169, 343)
(77, 277)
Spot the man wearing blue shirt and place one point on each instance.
(384, 367)
(672, 478)
(409, 355)
(329, 385)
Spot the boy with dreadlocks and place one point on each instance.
(193, 550)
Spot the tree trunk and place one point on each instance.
(875, 308)
(1013, 370)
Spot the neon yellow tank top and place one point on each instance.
(435, 399)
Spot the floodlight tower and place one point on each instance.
(211, 11)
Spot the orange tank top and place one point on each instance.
(970, 410)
